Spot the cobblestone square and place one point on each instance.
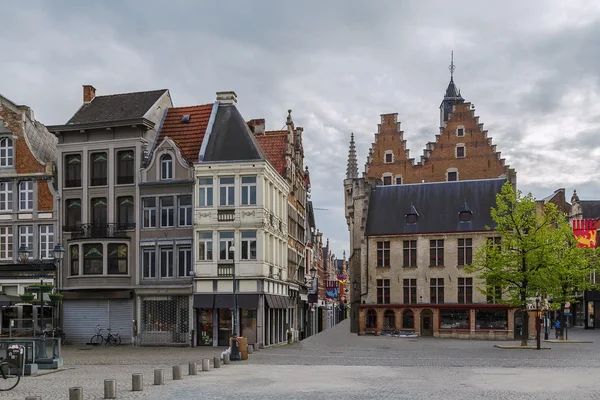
(335, 363)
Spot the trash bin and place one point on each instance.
(15, 355)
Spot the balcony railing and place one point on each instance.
(226, 215)
(224, 270)
(93, 231)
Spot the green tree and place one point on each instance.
(520, 263)
(569, 272)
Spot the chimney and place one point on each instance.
(89, 92)
(227, 97)
(257, 126)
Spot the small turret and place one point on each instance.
(352, 168)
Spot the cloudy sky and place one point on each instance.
(530, 68)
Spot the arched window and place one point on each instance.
(6, 152)
(166, 167)
(371, 318)
(389, 319)
(408, 319)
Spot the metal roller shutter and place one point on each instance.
(121, 317)
(80, 318)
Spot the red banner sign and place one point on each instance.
(585, 232)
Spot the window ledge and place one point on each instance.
(410, 266)
(100, 276)
(125, 184)
(437, 266)
(383, 266)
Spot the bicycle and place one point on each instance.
(113, 338)
(55, 333)
(10, 376)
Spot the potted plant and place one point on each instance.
(26, 297)
(55, 297)
(45, 287)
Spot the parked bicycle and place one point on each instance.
(112, 338)
(55, 333)
(9, 376)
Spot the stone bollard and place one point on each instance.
(176, 372)
(226, 359)
(110, 389)
(75, 393)
(250, 348)
(205, 364)
(159, 377)
(193, 368)
(33, 398)
(217, 362)
(137, 382)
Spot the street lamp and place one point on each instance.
(538, 299)
(58, 253)
(546, 320)
(235, 350)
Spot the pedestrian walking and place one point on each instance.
(557, 326)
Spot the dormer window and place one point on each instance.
(166, 167)
(6, 152)
(389, 157)
(465, 214)
(412, 215)
(185, 119)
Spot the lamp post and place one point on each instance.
(313, 274)
(546, 320)
(235, 350)
(537, 321)
(58, 254)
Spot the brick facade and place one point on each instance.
(480, 161)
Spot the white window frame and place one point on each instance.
(167, 249)
(449, 170)
(205, 191)
(151, 212)
(185, 211)
(46, 242)
(26, 196)
(247, 190)
(464, 150)
(247, 238)
(205, 246)
(26, 236)
(166, 167)
(6, 152)
(151, 252)
(225, 200)
(186, 260)
(385, 157)
(229, 242)
(6, 196)
(463, 130)
(171, 208)
(387, 175)
(6, 243)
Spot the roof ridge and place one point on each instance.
(129, 93)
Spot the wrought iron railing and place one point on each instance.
(91, 231)
(225, 215)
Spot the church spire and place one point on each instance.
(352, 169)
(452, 95)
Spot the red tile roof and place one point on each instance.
(188, 136)
(273, 144)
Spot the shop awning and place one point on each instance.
(224, 300)
(274, 301)
(246, 300)
(204, 300)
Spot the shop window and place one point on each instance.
(491, 319)
(389, 319)
(408, 319)
(371, 321)
(454, 319)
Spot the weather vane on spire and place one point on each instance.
(452, 66)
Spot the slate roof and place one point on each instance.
(438, 206)
(274, 145)
(230, 138)
(590, 208)
(452, 91)
(187, 135)
(116, 107)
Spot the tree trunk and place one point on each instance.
(525, 327)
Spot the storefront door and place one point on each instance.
(426, 323)
(204, 327)
(225, 328)
(519, 330)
